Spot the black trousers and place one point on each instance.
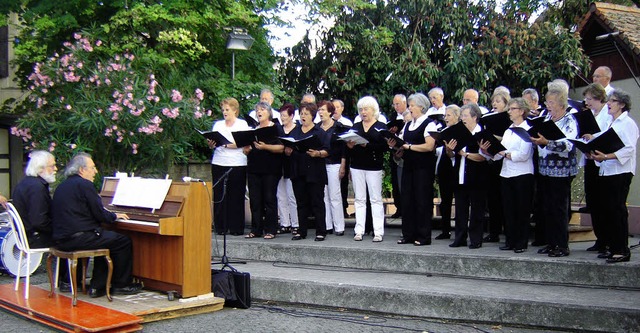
(417, 200)
(556, 196)
(446, 185)
(470, 205)
(310, 197)
(120, 250)
(615, 189)
(494, 200)
(228, 198)
(395, 185)
(593, 194)
(263, 189)
(540, 233)
(517, 198)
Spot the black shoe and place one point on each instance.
(584, 209)
(319, 238)
(519, 250)
(475, 246)
(131, 289)
(458, 244)
(619, 258)
(544, 250)
(352, 215)
(605, 255)
(559, 252)
(506, 248)
(396, 215)
(404, 241)
(538, 243)
(339, 233)
(284, 230)
(64, 287)
(444, 235)
(329, 231)
(97, 292)
(298, 237)
(237, 234)
(491, 239)
(595, 247)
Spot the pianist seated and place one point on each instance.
(78, 214)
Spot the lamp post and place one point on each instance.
(238, 40)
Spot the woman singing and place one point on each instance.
(616, 172)
(287, 207)
(309, 174)
(446, 175)
(264, 166)
(229, 171)
(366, 168)
(418, 173)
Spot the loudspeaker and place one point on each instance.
(233, 286)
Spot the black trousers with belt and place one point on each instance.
(417, 202)
(263, 189)
(517, 198)
(614, 190)
(228, 198)
(593, 195)
(120, 250)
(310, 197)
(470, 205)
(556, 196)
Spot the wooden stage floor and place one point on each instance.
(124, 314)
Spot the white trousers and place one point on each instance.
(333, 199)
(287, 207)
(372, 180)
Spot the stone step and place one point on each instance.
(446, 297)
(581, 268)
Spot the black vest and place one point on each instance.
(413, 159)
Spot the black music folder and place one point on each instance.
(398, 123)
(252, 122)
(587, 123)
(522, 133)
(267, 134)
(388, 135)
(302, 145)
(496, 122)
(548, 129)
(606, 143)
(459, 132)
(217, 137)
(495, 147)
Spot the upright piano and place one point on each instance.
(171, 245)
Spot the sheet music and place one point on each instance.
(141, 192)
(353, 136)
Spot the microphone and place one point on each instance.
(605, 36)
(189, 179)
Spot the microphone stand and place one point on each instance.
(224, 261)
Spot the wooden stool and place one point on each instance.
(73, 256)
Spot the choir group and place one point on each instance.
(516, 162)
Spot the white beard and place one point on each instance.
(50, 178)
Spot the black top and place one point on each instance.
(286, 160)
(413, 159)
(76, 207)
(475, 173)
(336, 147)
(33, 202)
(263, 162)
(370, 157)
(305, 167)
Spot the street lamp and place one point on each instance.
(238, 39)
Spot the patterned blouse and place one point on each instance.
(558, 158)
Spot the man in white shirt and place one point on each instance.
(603, 76)
(338, 105)
(472, 96)
(266, 96)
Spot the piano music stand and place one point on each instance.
(224, 261)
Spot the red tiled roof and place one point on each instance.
(618, 18)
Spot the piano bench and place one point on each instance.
(73, 257)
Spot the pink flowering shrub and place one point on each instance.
(87, 100)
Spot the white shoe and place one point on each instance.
(377, 239)
(357, 237)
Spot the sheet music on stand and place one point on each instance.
(141, 192)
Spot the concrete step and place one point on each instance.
(581, 268)
(447, 297)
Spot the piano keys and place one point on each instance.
(171, 245)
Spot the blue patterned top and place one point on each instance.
(558, 158)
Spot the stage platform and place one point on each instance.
(579, 292)
(123, 314)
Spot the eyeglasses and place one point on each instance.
(613, 100)
(513, 109)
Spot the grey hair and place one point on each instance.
(421, 100)
(78, 161)
(402, 97)
(266, 106)
(533, 93)
(560, 83)
(622, 97)
(607, 71)
(522, 104)
(312, 96)
(369, 101)
(474, 110)
(338, 101)
(38, 160)
(561, 93)
(454, 108)
(436, 90)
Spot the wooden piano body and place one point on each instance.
(172, 245)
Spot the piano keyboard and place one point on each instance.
(153, 224)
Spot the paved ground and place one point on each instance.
(274, 317)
